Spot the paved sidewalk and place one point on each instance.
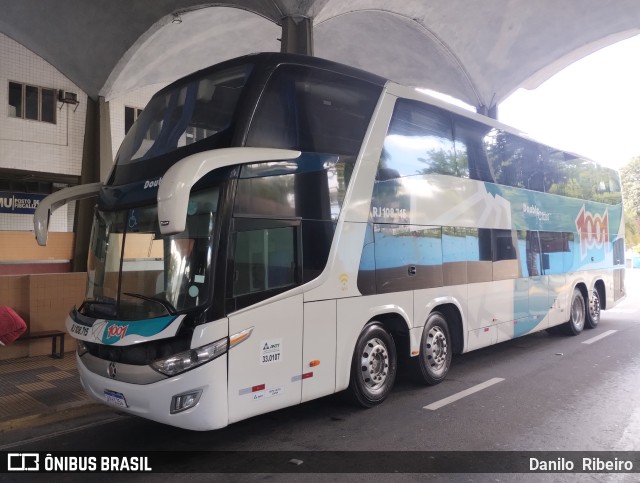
(35, 389)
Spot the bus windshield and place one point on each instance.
(135, 273)
(186, 113)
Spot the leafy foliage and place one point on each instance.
(630, 177)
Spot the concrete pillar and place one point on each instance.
(105, 147)
(297, 35)
(491, 112)
(90, 174)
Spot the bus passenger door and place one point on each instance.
(265, 369)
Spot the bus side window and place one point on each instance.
(420, 141)
(264, 260)
(505, 256)
(313, 110)
(515, 161)
(470, 149)
(556, 251)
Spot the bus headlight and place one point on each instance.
(183, 361)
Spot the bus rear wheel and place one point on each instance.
(593, 312)
(373, 367)
(577, 314)
(434, 360)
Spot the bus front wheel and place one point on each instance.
(577, 314)
(373, 367)
(434, 360)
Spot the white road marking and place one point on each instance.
(598, 337)
(465, 393)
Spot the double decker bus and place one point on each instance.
(277, 228)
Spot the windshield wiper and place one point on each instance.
(166, 304)
(100, 305)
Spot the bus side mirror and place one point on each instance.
(176, 184)
(55, 201)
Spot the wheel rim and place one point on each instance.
(436, 350)
(594, 306)
(577, 313)
(374, 363)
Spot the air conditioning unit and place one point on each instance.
(67, 97)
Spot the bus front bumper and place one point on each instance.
(153, 401)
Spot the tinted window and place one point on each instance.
(264, 260)
(531, 253)
(31, 103)
(270, 196)
(170, 119)
(313, 110)
(577, 177)
(311, 187)
(515, 161)
(470, 149)
(407, 257)
(555, 248)
(505, 256)
(48, 105)
(420, 141)
(15, 99)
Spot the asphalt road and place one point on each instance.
(541, 392)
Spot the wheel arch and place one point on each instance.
(393, 318)
(453, 316)
(582, 286)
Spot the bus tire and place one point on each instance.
(593, 310)
(434, 360)
(373, 367)
(577, 314)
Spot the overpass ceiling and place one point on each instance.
(479, 52)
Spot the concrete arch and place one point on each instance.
(205, 35)
(420, 57)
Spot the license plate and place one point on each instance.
(115, 398)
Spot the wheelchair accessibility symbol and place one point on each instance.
(133, 221)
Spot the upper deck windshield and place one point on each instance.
(197, 109)
(136, 273)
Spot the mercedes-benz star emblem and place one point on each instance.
(111, 370)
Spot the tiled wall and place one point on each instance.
(43, 301)
(61, 220)
(39, 146)
(22, 246)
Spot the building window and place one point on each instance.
(32, 102)
(130, 116)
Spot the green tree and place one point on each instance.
(630, 178)
(632, 230)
